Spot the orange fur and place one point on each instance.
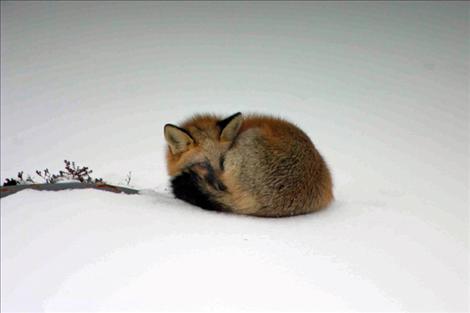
(271, 167)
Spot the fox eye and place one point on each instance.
(221, 162)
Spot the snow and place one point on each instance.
(381, 88)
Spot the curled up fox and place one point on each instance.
(254, 165)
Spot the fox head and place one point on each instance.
(200, 143)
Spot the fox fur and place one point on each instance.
(254, 165)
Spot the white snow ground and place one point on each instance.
(382, 89)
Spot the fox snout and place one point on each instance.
(207, 175)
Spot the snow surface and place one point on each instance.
(382, 89)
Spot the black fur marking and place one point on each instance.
(221, 162)
(186, 187)
(182, 129)
(223, 123)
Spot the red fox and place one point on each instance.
(254, 165)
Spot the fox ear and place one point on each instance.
(230, 126)
(177, 138)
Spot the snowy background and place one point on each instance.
(382, 89)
